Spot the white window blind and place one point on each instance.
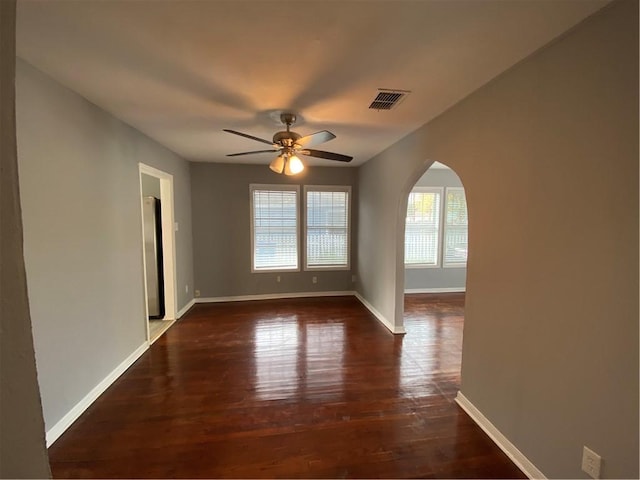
(274, 211)
(455, 228)
(327, 227)
(423, 227)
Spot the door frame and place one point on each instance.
(168, 243)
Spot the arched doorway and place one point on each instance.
(434, 257)
(435, 242)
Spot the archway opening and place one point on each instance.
(435, 248)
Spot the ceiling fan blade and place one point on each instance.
(327, 155)
(315, 138)
(250, 153)
(246, 135)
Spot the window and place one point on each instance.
(327, 227)
(455, 228)
(274, 215)
(422, 228)
(426, 243)
(274, 223)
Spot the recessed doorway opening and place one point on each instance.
(158, 250)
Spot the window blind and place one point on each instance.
(422, 227)
(455, 227)
(275, 229)
(327, 232)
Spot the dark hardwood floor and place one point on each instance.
(312, 388)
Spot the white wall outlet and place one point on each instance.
(353, 279)
(278, 279)
(196, 293)
(314, 279)
(591, 462)
(176, 226)
(186, 288)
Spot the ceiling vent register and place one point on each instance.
(388, 99)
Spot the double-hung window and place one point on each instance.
(327, 226)
(422, 228)
(274, 224)
(436, 228)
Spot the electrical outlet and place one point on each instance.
(278, 279)
(353, 279)
(591, 462)
(196, 293)
(314, 279)
(186, 288)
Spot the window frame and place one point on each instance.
(326, 188)
(444, 228)
(426, 189)
(273, 187)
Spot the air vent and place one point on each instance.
(387, 99)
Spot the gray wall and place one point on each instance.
(550, 352)
(150, 186)
(80, 192)
(22, 444)
(425, 279)
(222, 237)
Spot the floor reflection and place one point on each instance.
(324, 360)
(276, 356)
(293, 357)
(303, 356)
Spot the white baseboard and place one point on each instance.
(516, 456)
(381, 318)
(65, 422)
(436, 290)
(185, 309)
(273, 296)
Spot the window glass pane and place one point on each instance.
(275, 229)
(455, 230)
(422, 228)
(327, 228)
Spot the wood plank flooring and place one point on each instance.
(304, 388)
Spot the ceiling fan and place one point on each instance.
(291, 144)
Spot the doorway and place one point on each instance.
(436, 236)
(158, 250)
(435, 259)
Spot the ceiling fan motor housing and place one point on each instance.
(286, 138)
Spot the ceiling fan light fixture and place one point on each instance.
(278, 164)
(293, 166)
(288, 144)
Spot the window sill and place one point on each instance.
(274, 270)
(328, 268)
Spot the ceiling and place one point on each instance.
(181, 71)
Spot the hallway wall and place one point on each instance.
(80, 191)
